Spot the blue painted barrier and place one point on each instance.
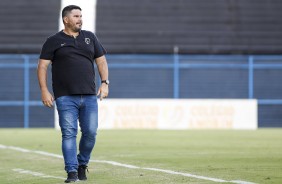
(175, 62)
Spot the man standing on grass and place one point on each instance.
(72, 53)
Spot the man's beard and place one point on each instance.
(76, 30)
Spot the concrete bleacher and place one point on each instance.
(25, 24)
(205, 27)
(129, 26)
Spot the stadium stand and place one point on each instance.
(26, 24)
(205, 27)
(146, 33)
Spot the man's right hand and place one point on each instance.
(47, 98)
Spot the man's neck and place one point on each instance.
(70, 33)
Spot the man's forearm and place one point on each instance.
(42, 75)
(102, 68)
(42, 78)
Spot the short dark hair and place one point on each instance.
(68, 9)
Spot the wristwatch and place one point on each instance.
(106, 82)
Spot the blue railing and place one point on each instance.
(175, 62)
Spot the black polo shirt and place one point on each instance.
(72, 62)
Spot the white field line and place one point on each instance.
(241, 182)
(116, 164)
(130, 166)
(186, 174)
(22, 171)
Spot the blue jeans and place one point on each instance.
(85, 109)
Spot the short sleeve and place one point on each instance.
(47, 51)
(99, 50)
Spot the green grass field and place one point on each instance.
(252, 156)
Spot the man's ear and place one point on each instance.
(65, 19)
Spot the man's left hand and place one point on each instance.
(103, 91)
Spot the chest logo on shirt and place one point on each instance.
(87, 41)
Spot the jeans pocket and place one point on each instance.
(61, 102)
